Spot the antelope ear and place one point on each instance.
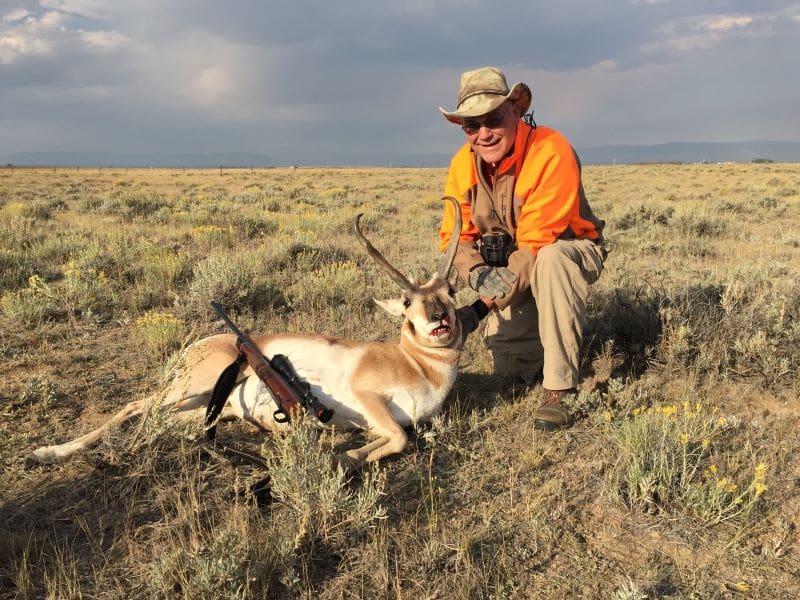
(394, 306)
(453, 279)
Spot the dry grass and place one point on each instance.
(678, 480)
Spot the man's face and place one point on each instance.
(493, 134)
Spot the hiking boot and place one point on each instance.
(552, 415)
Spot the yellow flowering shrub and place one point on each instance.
(30, 306)
(84, 290)
(664, 464)
(160, 332)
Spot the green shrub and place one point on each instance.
(14, 269)
(90, 204)
(160, 332)
(322, 503)
(307, 257)
(628, 317)
(764, 333)
(163, 273)
(251, 227)
(700, 225)
(312, 221)
(340, 283)
(19, 232)
(744, 328)
(234, 280)
(49, 252)
(336, 194)
(137, 206)
(30, 306)
(664, 464)
(40, 391)
(85, 291)
(213, 236)
(41, 209)
(222, 565)
(644, 217)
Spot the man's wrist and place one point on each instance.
(481, 307)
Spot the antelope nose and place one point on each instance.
(437, 316)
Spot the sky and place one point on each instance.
(360, 81)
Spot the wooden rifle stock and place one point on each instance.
(286, 397)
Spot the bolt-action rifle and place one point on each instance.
(278, 375)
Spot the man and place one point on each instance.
(530, 245)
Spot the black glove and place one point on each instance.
(469, 319)
(470, 316)
(492, 282)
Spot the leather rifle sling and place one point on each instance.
(219, 395)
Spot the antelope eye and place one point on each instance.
(406, 302)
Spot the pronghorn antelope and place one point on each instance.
(381, 387)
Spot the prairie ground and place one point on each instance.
(679, 479)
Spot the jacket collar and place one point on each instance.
(513, 160)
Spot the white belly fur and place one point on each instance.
(323, 366)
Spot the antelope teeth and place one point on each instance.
(441, 330)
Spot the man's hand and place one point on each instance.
(492, 282)
(469, 319)
(470, 316)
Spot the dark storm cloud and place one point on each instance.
(349, 79)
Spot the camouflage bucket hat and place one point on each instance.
(483, 90)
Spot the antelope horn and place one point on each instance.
(396, 275)
(455, 234)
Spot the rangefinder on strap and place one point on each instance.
(496, 247)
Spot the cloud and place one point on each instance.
(51, 34)
(355, 78)
(16, 14)
(726, 22)
(103, 40)
(685, 36)
(29, 36)
(95, 9)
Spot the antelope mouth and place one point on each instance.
(442, 329)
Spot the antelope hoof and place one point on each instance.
(32, 460)
(42, 456)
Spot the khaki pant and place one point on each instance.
(544, 329)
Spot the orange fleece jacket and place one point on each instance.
(547, 197)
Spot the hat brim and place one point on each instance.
(483, 104)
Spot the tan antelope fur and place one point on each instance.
(380, 387)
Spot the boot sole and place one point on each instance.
(547, 425)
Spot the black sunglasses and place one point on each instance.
(492, 121)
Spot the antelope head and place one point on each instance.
(428, 309)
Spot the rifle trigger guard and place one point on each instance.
(280, 417)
